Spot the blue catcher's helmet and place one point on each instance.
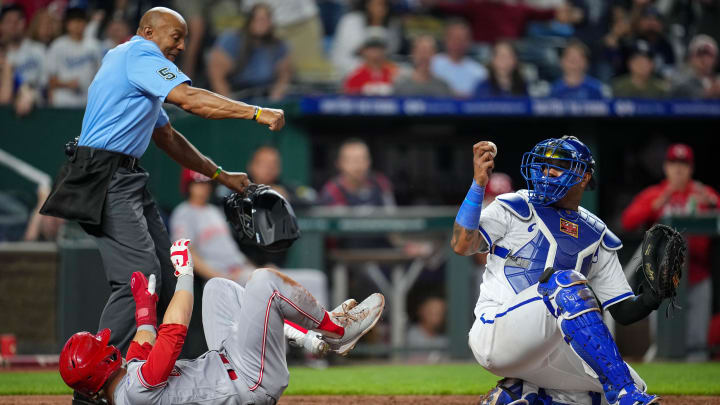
(568, 155)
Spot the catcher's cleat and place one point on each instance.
(636, 397)
(357, 320)
(508, 391)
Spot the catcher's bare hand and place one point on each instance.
(272, 117)
(483, 162)
(235, 181)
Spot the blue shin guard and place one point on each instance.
(569, 299)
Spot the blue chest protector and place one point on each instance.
(572, 238)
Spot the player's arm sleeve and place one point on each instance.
(631, 310)
(494, 222)
(154, 373)
(607, 279)
(137, 351)
(153, 74)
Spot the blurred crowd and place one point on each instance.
(275, 49)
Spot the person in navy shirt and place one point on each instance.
(575, 83)
(103, 187)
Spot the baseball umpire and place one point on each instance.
(102, 185)
(537, 321)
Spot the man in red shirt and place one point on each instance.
(243, 329)
(376, 75)
(679, 194)
(492, 20)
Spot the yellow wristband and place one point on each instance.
(217, 173)
(258, 110)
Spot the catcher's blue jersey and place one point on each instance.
(525, 239)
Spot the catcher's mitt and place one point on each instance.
(663, 258)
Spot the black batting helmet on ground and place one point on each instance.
(263, 217)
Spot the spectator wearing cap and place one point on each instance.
(421, 81)
(679, 194)
(640, 81)
(376, 75)
(575, 83)
(372, 18)
(26, 57)
(251, 59)
(454, 66)
(699, 80)
(214, 251)
(72, 61)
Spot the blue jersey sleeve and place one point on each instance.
(162, 119)
(151, 73)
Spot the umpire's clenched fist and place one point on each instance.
(272, 117)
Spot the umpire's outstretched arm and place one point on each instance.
(207, 104)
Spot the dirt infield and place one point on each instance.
(352, 400)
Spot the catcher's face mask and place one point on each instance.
(262, 217)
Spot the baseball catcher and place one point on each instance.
(538, 323)
(243, 329)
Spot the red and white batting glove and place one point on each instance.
(181, 258)
(145, 299)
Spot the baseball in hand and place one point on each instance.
(494, 151)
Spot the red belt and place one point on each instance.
(226, 362)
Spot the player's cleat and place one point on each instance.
(356, 320)
(347, 305)
(636, 397)
(508, 391)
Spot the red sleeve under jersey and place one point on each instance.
(161, 359)
(138, 351)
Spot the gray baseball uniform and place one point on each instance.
(244, 326)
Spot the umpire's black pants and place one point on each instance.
(133, 237)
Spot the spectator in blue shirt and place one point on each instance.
(504, 78)
(251, 58)
(575, 83)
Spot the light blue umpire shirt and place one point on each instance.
(125, 98)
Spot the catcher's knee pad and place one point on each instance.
(570, 300)
(566, 294)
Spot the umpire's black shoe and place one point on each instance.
(80, 399)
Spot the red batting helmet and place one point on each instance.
(87, 361)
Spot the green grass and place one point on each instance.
(457, 379)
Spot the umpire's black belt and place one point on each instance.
(80, 187)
